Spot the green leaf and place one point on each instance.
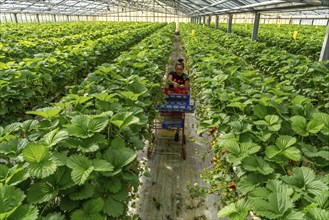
(113, 208)
(118, 142)
(236, 211)
(292, 153)
(82, 215)
(299, 125)
(12, 127)
(85, 126)
(29, 125)
(48, 112)
(36, 153)
(13, 147)
(284, 147)
(81, 168)
(4, 170)
(120, 157)
(90, 144)
(237, 153)
(102, 166)
(87, 191)
(314, 126)
(115, 185)
(317, 213)
(41, 163)
(130, 95)
(254, 163)
(273, 122)
(61, 178)
(16, 175)
(55, 136)
(41, 192)
(272, 151)
(323, 117)
(285, 141)
(304, 180)
(10, 199)
(251, 181)
(53, 216)
(25, 212)
(93, 205)
(227, 211)
(260, 110)
(275, 206)
(124, 119)
(79, 99)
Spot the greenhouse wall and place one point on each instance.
(128, 16)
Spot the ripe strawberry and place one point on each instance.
(292, 162)
(212, 131)
(232, 186)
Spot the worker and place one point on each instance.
(178, 79)
(177, 32)
(178, 84)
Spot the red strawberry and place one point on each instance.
(232, 186)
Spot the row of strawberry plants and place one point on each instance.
(304, 76)
(28, 47)
(16, 32)
(271, 145)
(78, 160)
(37, 81)
(308, 40)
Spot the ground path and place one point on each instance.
(172, 191)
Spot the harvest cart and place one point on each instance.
(172, 116)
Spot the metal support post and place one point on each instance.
(38, 19)
(229, 26)
(325, 47)
(204, 19)
(68, 19)
(256, 26)
(54, 16)
(209, 20)
(217, 19)
(15, 17)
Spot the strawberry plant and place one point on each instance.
(76, 159)
(308, 41)
(23, 85)
(262, 127)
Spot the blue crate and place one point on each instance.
(167, 125)
(176, 107)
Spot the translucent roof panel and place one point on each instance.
(191, 8)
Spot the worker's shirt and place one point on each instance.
(178, 79)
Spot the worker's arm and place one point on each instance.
(170, 78)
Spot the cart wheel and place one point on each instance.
(184, 153)
(176, 137)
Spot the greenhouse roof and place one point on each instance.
(191, 8)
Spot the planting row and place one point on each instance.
(40, 80)
(303, 76)
(271, 144)
(17, 32)
(28, 48)
(308, 39)
(77, 160)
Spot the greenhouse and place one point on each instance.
(164, 109)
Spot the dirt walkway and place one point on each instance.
(174, 191)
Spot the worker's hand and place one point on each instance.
(176, 85)
(182, 86)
